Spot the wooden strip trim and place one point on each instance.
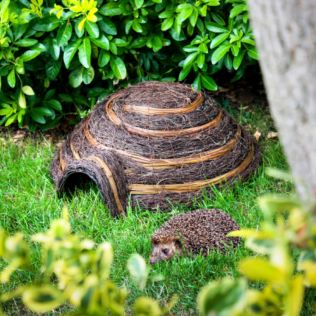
(157, 133)
(101, 164)
(62, 162)
(143, 189)
(91, 140)
(74, 151)
(197, 158)
(176, 132)
(158, 111)
(150, 163)
(109, 109)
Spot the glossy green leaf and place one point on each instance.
(102, 42)
(275, 203)
(237, 10)
(26, 42)
(55, 49)
(184, 11)
(222, 296)
(145, 306)
(219, 39)
(30, 54)
(218, 18)
(46, 24)
(28, 90)
(138, 3)
(200, 61)
(194, 17)
(10, 120)
(45, 111)
(235, 48)
(79, 32)
(248, 40)
(252, 233)
(107, 26)
(6, 110)
(184, 73)
(113, 48)
(87, 75)
(228, 62)
(120, 42)
(105, 255)
(11, 78)
(111, 9)
(156, 43)
(190, 60)
(75, 78)
(103, 59)
(137, 268)
(52, 69)
(260, 269)
(22, 100)
(203, 10)
(118, 67)
(92, 28)
(219, 53)
(70, 52)
(216, 28)
(64, 34)
(238, 60)
(197, 83)
(4, 70)
(54, 104)
(38, 118)
(167, 24)
(295, 298)
(252, 52)
(139, 42)
(43, 298)
(166, 14)
(19, 66)
(137, 27)
(85, 53)
(208, 83)
(213, 3)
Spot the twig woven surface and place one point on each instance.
(157, 142)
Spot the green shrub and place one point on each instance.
(57, 58)
(273, 281)
(75, 272)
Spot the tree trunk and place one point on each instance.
(285, 33)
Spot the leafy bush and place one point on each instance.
(57, 58)
(81, 272)
(283, 265)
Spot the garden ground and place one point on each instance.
(29, 203)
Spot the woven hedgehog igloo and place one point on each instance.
(158, 143)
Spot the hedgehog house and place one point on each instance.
(158, 143)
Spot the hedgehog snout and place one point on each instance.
(152, 260)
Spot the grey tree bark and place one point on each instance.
(285, 32)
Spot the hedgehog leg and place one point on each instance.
(105, 170)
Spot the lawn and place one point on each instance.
(29, 203)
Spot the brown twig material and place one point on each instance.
(190, 186)
(158, 142)
(156, 111)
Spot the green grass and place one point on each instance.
(28, 203)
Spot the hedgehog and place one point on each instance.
(195, 232)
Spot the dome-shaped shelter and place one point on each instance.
(158, 143)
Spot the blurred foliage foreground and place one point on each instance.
(75, 272)
(58, 58)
